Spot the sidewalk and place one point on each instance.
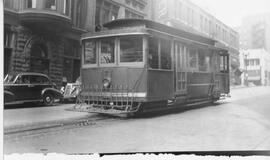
(245, 92)
(31, 118)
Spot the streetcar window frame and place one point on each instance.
(96, 54)
(205, 60)
(165, 54)
(160, 53)
(153, 53)
(116, 40)
(99, 41)
(223, 62)
(193, 65)
(136, 63)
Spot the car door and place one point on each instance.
(37, 84)
(20, 88)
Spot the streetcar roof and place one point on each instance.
(121, 27)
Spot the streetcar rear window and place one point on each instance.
(223, 63)
(131, 49)
(90, 53)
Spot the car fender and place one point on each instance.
(8, 96)
(57, 94)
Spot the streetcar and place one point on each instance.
(131, 66)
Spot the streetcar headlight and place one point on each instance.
(106, 83)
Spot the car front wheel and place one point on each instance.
(48, 99)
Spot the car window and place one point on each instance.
(39, 80)
(9, 78)
(23, 79)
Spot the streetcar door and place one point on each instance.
(180, 69)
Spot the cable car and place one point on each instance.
(136, 65)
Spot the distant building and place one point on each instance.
(107, 10)
(256, 66)
(186, 15)
(255, 32)
(44, 35)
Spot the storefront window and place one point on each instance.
(257, 62)
(50, 4)
(66, 7)
(79, 14)
(31, 3)
(105, 15)
(107, 54)
(90, 52)
(252, 62)
(105, 12)
(97, 15)
(8, 3)
(131, 49)
(129, 14)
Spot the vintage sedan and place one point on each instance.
(29, 87)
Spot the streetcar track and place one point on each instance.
(40, 132)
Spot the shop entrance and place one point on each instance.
(76, 69)
(39, 61)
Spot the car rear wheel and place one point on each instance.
(48, 99)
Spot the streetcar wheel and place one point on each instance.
(48, 99)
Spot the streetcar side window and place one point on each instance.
(159, 53)
(153, 53)
(193, 58)
(202, 60)
(131, 49)
(107, 52)
(90, 54)
(165, 52)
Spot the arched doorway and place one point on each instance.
(39, 61)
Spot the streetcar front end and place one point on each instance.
(113, 73)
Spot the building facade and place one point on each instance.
(44, 35)
(256, 66)
(107, 10)
(255, 32)
(186, 15)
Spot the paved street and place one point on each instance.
(238, 123)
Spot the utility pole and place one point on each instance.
(246, 72)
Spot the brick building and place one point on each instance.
(44, 35)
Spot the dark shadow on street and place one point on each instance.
(177, 110)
